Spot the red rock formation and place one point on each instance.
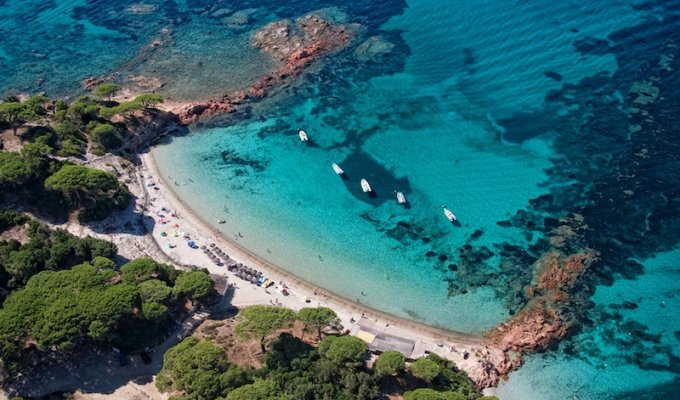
(545, 320)
(294, 47)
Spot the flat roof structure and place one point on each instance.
(381, 342)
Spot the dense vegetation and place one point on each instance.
(45, 249)
(295, 370)
(40, 177)
(69, 130)
(55, 187)
(66, 293)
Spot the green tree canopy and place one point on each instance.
(347, 351)
(258, 390)
(194, 285)
(12, 113)
(100, 262)
(107, 90)
(143, 269)
(83, 109)
(9, 218)
(195, 367)
(155, 311)
(82, 185)
(14, 170)
(389, 363)
(51, 249)
(261, 321)
(318, 318)
(106, 135)
(431, 394)
(123, 109)
(28, 166)
(34, 108)
(57, 308)
(148, 100)
(425, 369)
(155, 290)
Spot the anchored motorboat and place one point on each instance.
(303, 135)
(449, 214)
(401, 198)
(337, 169)
(365, 186)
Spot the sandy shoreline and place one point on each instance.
(427, 338)
(138, 232)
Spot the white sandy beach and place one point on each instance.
(427, 338)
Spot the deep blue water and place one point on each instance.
(512, 113)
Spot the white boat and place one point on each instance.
(365, 186)
(303, 135)
(337, 169)
(449, 214)
(401, 198)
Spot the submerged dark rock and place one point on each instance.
(553, 75)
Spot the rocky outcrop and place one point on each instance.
(546, 318)
(146, 127)
(293, 46)
(373, 49)
(240, 20)
(285, 40)
(92, 82)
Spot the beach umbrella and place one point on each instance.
(212, 244)
(203, 248)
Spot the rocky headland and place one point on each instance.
(547, 317)
(293, 46)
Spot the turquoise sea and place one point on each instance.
(512, 113)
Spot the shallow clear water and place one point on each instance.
(488, 107)
(606, 366)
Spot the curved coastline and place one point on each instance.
(355, 317)
(244, 255)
